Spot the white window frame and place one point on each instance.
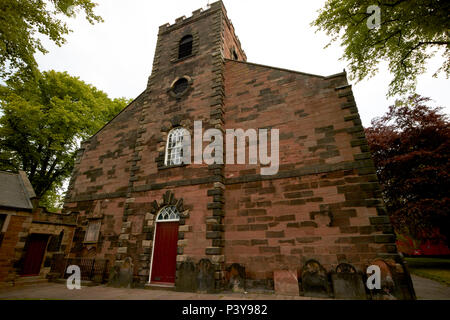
(168, 214)
(174, 146)
(93, 224)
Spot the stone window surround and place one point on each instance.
(151, 221)
(171, 92)
(185, 46)
(155, 223)
(165, 130)
(93, 221)
(176, 44)
(174, 133)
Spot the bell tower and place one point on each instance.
(210, 34)
(186, 85)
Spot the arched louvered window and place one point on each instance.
(235, 55)
(185, 47)
(169, 213)
(174, 147)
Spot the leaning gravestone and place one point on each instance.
(347, 283)
(205, 276)
(186, 277)
(315, 280)
(395, 281)
(403, 284)
(387, 280)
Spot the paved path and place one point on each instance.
(425, 290)
(53, 291)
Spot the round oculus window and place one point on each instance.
(180, 86)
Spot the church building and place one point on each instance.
(214, 227)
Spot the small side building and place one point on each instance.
(29, 235)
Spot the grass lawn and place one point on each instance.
(437, 269)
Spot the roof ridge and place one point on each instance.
(25, 190)
(277, 68)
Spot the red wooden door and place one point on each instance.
(165, 252)
(34, 255)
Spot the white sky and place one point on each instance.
(116, 56)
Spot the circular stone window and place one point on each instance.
(180, 86)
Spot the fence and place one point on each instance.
(95, 270)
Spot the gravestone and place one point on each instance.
(347, 283)
(205, 276)
(395, 282)
(315, 280)
(121, 275)
(387, 282)
(404, 288)
(113, 280)
(186, 277)
(236, 278)
(286, 282)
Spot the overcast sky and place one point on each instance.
(116, 56)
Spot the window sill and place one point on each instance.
(182, 59)
(172, 166)
(90, 242)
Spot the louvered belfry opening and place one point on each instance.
(185, 49)
(235, 56)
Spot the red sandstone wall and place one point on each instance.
(232, 42)
(104, 164)
(280, 221)
(11, 248)
(283, 222)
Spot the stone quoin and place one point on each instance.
(215, 227)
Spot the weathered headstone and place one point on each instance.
(186, 277)
(121, 275)
(205, 276)
(394, 281)
(315, 280)
(387, 281)
(286, 282)
(236, 278)
(348, 283)
(113, 280)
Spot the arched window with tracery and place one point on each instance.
(174, 147)
(169, 213)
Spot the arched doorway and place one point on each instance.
(164, 255)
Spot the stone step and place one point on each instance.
(84, 283)
(26, 281)
(160, 287)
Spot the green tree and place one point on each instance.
(22, 21)
(410, 33)
(410, 147)
(43, 120)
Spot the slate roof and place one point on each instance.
(16, 191)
